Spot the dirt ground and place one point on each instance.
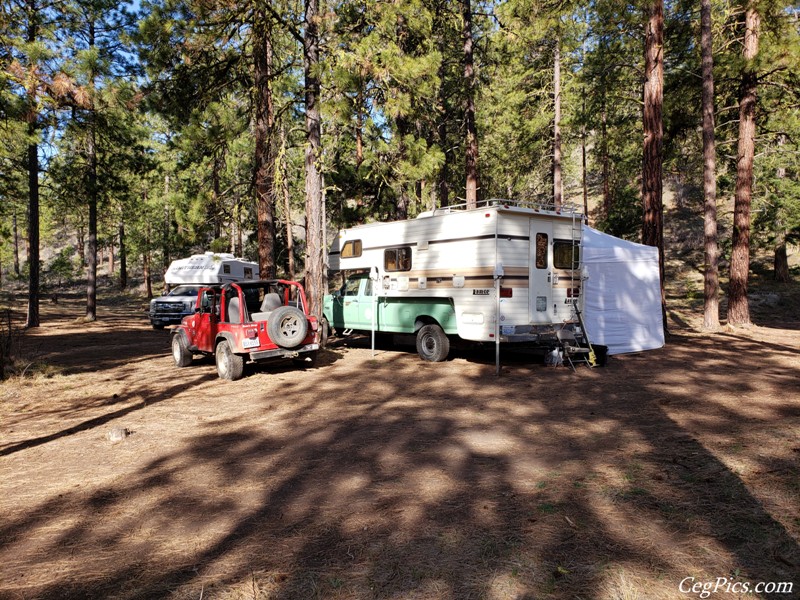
(387, 477)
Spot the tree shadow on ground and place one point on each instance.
(413, 480)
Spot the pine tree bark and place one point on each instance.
(15, 233)
(471, 163)
(32, 116)
(91, 191)
(123, 258)
(738, 305)
(711, 246)
(264, 153)
(780, 262)
(557, 184)
(607, 200)
(287, 207)
(315, 279)
(652, 223)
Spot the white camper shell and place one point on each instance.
(187, 275)
(503, 272)
(210, 268)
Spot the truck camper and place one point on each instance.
(504, 272)
(187, 275)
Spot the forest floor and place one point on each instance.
(386, 477)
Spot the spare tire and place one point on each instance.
(287, 326)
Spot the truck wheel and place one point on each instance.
(180, 351)
(287, 326)
(229, 365)
(432, 343)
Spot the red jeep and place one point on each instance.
(248, 320)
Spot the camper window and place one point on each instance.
(565, 255)
(226, 269)
(248, 273)
(352, 249)
(541, 250)
(397, 259)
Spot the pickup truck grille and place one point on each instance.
(168, 307)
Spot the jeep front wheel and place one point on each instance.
(432, 343)
(180, 351)
(287, 326)
(230, 366)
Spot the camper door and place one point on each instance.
(541, 271)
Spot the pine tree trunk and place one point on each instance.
(738, 305)
(557, 185)
(165, 255)
(781, 262)
(287, 207)
(584, 181)
(32, 319)
(653, 225)
(781, 258)
(471, 165)
(91, 158)
(264, 156)
(605, 159)
(123, 258)
(148, 277)
(315, 278)
(16, 241)
(711, 274)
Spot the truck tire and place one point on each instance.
(432, 343)
(180, 351)
(287, 327)
(230, 366)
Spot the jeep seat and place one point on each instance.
(271, 302)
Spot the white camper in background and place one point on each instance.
(503, 272)
(186, 275)
(210, 268)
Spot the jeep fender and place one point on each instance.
(226, 335)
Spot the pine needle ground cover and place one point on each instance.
(387, 477)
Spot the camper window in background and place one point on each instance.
(564, 253)
(248, 273)
(541, 250)
(352, 249)
(226, 269)
(397, 259)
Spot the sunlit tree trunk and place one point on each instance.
(315, 206)
(738, 305)
(652, 223)
(557, 185)
(711, 274)
(471, 164)
(264, 154)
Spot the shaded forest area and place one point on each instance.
(149, 131)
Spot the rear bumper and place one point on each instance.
(282, 352)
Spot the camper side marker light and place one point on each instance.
(506, 292)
